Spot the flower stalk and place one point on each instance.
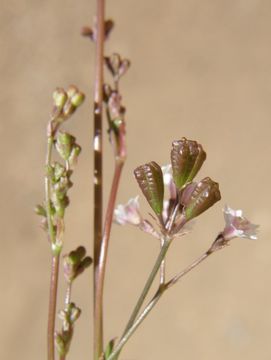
(98, 174)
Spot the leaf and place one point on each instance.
(150, 180)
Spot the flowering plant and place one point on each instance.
(173, 194)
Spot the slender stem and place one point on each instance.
(187, 269)
(51, 231)
(52, 306)
(104, 246)
(98, 194)
(68, 293)
(136, 324)
(148, 284)
(153, 302)
(55, 257)
(162, 266)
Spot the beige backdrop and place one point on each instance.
(200, 69)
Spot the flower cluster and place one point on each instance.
(186, 199)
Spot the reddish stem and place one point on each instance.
(98, 194)
(104, 247)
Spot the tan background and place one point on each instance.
(201, 69)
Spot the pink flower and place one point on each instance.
(128, 213)
(237, 225)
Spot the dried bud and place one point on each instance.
(187, 157)
(108, 27)
(205, 194)
(116, 65)
(150, 180)
(87, 31)
(113, 63)
(64, 144)
(60, 98)
(125, 64)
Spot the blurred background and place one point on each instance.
(200, 69)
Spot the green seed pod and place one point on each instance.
(77, 99)
(150, 181)
(187, 157)
(64, 144)
(60, 97)
(205, 194)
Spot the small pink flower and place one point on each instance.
(128, 213)
(237, 225)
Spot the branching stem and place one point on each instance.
(130, 330)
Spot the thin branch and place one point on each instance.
(52, 307)
(136, 324)
(55, 257)
(100, 274)
(177, 278)
(148, 285)
(98, 178)
(153, 302)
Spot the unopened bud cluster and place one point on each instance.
(66, 102)
(75, 263)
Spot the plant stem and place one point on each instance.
(52, 306)
(153, 302)
(146, 288)
(104, 245)
(98, 193)
(55, 257)
(190, 267)
(136, 324)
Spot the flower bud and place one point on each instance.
(77, 99)
(60, 345)
(60, 98)
(205, 194)
(74, 312)
(64, 144)
(73, 158)
(75, 263)
(150, 181)
(187, 157)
